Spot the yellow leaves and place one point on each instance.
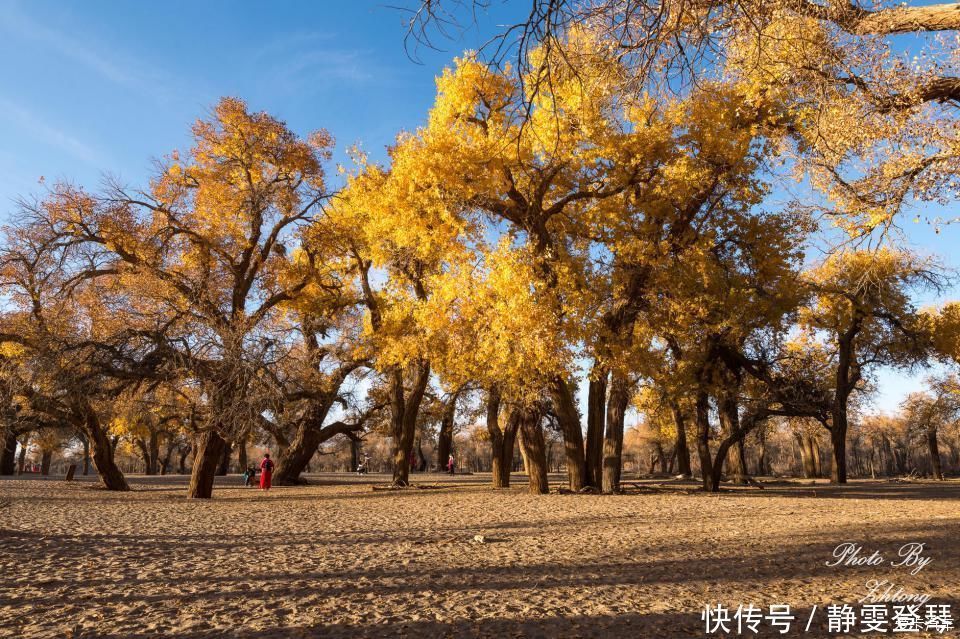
(11, 350)
(943, 325)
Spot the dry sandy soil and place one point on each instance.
(336, 559)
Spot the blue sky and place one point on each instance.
(95, 86)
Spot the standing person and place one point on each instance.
(450, 465)
(266, 472)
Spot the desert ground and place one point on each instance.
(338, 559)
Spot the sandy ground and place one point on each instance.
(336, 559)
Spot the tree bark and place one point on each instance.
(596, 418)
(208, 452)
(680, 446)
(730, 422)
(223, 467)
(8, 457)
(242, 462)
(762, 456)
(535, 448)
(298, 454)
(566, 409)
(445, 436)
(617, 404)
(45, 458)
(702, 413)
(502, 441)
(403, 418)
(884, 21)
(101, 448)
(808, 455)
(934, 452)
(838, 437)
(182, 461)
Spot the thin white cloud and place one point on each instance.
(130, 74)
(26, 120)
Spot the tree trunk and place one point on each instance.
(8, 457)
(208, 452)
(292, 462)
(730, 422)
(502, 440)
(613, 438)
(703, 440)
(355, 454)
(566, 409)
(168, 455)
(223, 467)
(242, 461)
(680, 446)
(934, 452)
(154, 447)
(838, 437)
(536, 453)
(596, 416)
(182, 461)
(404, 410)
(445, 436)
(101, 447)
(144, 454)
(45, 458)
(762, 456)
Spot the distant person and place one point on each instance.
(450, 464)
(266, 472)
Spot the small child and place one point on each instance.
(250, 476)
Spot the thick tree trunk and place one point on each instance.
(680, 446)
(838, 437)
(596, 418)
(102, 447)
(536, 453)
(242, 461)
(167, 455)
(502, 440)
(292, 462)
(569, 418)
(403, 419)
(806, 455)
(934, 453)
(208, 452)
(223, 467)
(8, 456)
(702, 413)
(45, 458)
(730, 423)
(500, 477)
(617, 404)
(762, 455)
(354, 454)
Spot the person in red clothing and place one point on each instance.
(266, 472)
